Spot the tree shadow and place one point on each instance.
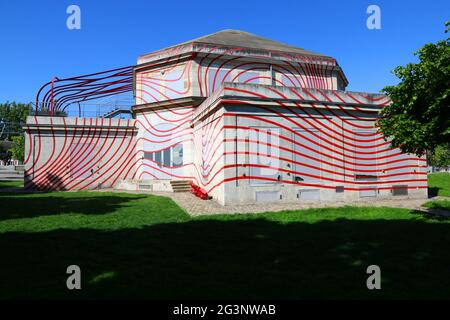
(433, 214)
(433, 192)
(54, 203)
(252, 259)
(55, 182)
(52, 182)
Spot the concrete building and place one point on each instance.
(244, 118)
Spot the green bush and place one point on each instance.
(18, 148)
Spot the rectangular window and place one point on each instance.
(158, 157)
(148, 155)
(177, 155)
(166, 158)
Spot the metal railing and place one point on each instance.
(108, 109)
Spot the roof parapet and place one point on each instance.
(289, 96)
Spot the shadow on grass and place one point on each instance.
(232, 259)
(433, 191)
(29, 205)
(435, 214)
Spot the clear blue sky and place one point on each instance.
(36, 45)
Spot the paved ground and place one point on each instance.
(195, 206)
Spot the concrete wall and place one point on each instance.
(164, 149)
(335, 155)
(78, 153)
(209, 154)
(162, 83)
(215, 71)
(201, 74)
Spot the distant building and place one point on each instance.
(244, 118)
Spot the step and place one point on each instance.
(181, 187)
(182, 190)
(179, 182)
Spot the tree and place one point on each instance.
(12, 116)
(18, 148)
(440, 157)
(418, 119)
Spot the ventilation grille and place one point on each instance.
(365, 177)
(400, 190)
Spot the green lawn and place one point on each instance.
(439, 204)
(439, 184)
(11, 184)
(147, 247)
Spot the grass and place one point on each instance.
(439, 184)
(41, 212)
(438, 204)
(11, 184)
(137, 246)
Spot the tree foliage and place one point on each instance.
(440, 157)
(13, 115)
(18, 147)
(418, 119)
